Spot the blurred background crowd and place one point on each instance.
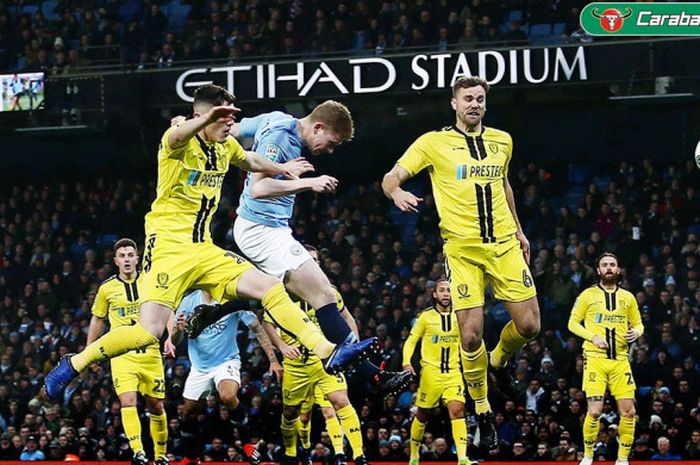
(63, 36)
(55, 250)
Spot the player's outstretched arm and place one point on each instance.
(264, 187)
(287, 351)
(391, 185)
(266, 346)
(96, 328)
(186, 130)
(291, 169)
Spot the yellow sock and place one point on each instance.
(627, 426)
(159, 434)
(417, 432)
(459, 434)
(351, 425)
(474, 366)
(304, 430)
(289, 436)
(591, 427)
(116, 342)
(132, 428)
(291, 319)
(336, 434)
(508, 345)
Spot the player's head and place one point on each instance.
(313, 251)
(608, 268)
(126, 255)
(206, 97)
(330, 125)
(469, 99)
(441, 293)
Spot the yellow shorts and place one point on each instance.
(434, 386)
(315, 397)
(171, 268)
(140, 372)
(602, 373)
(471, 266)
(299, 384)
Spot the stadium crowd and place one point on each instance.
(59, 36)
(55, 250)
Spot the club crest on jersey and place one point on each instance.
(493, 147)
(296, 249)
(463, 290)
(271, 152)
(163, 279)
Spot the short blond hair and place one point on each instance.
(465, 82)
(336, 116)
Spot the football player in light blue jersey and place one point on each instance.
(262, 230)
(216, 361)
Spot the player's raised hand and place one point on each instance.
(632, 335)
(599, 342)
(409, 369)
(295, 168)
(277, 370)
(524, 245)
(169, 349)
(324, 184)
(405, 201)
(290, 352)
(221, 114)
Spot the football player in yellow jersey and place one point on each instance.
(484, 242)
(611, 322)
(137, 371)
(193, 158)
(440, 378)
(303, 374)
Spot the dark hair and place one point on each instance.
(603, 255)
(310, 248)
(213, 95)
(125, 242)
(465, 82)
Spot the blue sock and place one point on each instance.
(332, 324)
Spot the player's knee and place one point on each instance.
(529, 329)
(290, 412)
(304, 417)
(229, 399)
(629, 412)
(471, 342)
(155, 406)
(595, 412)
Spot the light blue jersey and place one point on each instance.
(277, 139)
(217, 343)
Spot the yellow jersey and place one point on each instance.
(607, 314)
(307, 357)
(120, 302)
(439, 336)
(189, 187)
(467, 173)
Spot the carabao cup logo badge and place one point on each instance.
(611, 20)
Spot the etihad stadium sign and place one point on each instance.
(372, 75)
(641, 19)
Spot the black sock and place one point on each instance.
(221, 310)
(238, 414)
(332, 324)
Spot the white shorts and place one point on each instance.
(199, 384)
(273, 250)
